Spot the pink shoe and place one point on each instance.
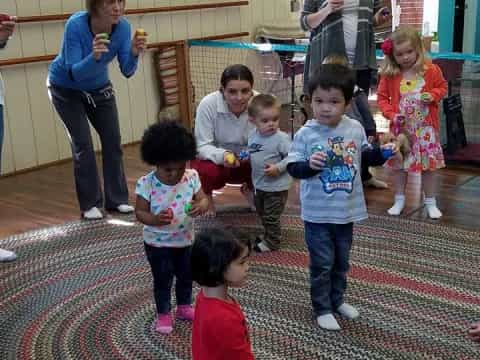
(164, 323)
(185, 312)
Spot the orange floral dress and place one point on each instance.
(426, 153)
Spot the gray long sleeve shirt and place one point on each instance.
(218, 130)
(272, 149)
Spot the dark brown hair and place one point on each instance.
(236, 72)
(213, 251)
(93, 5)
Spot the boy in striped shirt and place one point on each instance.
(326, 155)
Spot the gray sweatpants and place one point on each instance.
(76, 108)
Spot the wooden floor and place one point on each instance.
(47, 197)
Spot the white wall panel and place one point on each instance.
(34, 134)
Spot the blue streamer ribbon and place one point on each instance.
(268, 47)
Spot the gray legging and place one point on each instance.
(99, 107)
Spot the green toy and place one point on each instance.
(425, 96)
(187, 208)
(104, 36)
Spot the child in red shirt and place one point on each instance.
(219, 260)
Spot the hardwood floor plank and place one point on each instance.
(46, 197)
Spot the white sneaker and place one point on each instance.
(261, 247)
(125, 209)
(6, 255)
(398, 206)
(432, 209)
(328, 322)
(348, 311)
(93, 214)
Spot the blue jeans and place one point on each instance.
(167, 263)
(1, 136)
(329, 249)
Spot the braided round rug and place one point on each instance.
(83, 291)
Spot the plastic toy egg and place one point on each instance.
(317, 148)
(187, 208)
(425, 96)
(104, 36)
(140, 32)
(387, 153)
(230, 158)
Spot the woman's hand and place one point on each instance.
(139, 42)
(329, 6)
(100, 45)
(335, 5)
(230, 160)
(318, 160)
(7, 26)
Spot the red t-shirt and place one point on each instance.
(219, 331)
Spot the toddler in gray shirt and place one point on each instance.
(268, 150)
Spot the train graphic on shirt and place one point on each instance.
(340, 167)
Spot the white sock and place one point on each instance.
(398, 206)
(348, 311)
(432, 209)
(328, 322)
(93, 214)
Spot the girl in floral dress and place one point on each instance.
(409, 92)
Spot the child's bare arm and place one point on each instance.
(199, 205)
(143, 214)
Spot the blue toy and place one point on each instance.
(387, 153)
(317, 148)
(243, 155)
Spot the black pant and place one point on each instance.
(166, 263)
(370, 158)
(364, 79)
(76, 109)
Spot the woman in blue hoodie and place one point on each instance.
(81, 92)
(7, 26)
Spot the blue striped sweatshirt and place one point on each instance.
(334, 194)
